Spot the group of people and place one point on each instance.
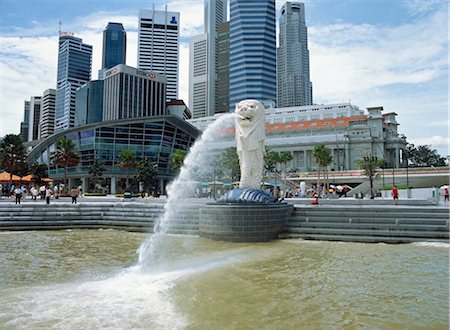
(44, 192)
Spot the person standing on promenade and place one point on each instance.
(446, 194)
(42, 191)
(18, 194)
(56, 191)
(74, 193)
(34, 193)
(48, 194)
(395, 194)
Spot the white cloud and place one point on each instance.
(422, 6)
(349, 59)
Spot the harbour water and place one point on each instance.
(89, 279)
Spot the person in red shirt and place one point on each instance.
(395, 194)
(446, 194)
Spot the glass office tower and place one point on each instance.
(74, 70)
(252, 51)
(114, 45)
(294, 87)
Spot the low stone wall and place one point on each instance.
(127, 216)
(363, 223)
(374, 224)
(243, 222)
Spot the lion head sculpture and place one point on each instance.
(250, 136)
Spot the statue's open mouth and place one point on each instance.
(242, 117)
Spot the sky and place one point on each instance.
(390, 53)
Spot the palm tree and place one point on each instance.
(272, 159)
(147, 171)
(127, 161)
(229, 164)
(370, 165)
(323, 159)
(96, 171)
(38, 171)
(13, 157)
(177, 159)
(65, 157)
(285, 157)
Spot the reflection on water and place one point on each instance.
(83, 279)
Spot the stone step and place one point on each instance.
(363, 232)
(299, 220)
(361, 238)
(365, 212)
(377, 226)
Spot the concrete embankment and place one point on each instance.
(369, 223)
(363, 223)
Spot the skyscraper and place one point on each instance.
(114, 45)
(198, 76)
(74, 70)
(89, 103)
(223, 68)
(158, 46)
(294, 87)
(26, 122)
(47, 118)
(203, 62)
(252, 51)
(35, 113)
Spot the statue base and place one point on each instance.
(244, 220)
(245, 196)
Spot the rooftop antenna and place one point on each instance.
(59, 31)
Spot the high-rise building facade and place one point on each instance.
(252, 51)
(223, 68)
(203, 63)
(25, 123)
(198, 76)
(131, 93)
(74, 70)
(158, 49)
(114, 45)
(89, 103)
(215, 14)
(35, 113)
(47, 118)
(294, 87)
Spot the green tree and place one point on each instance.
(177, 159)
(38, 171)
(424, 156)
(271, 161)
(96, 171)
(323, 158)
(65, 157)
(229, 164)
(285, 157)
(13, 156)
(147, 171)
(127, 161)
(371, 166)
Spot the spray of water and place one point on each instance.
(196, 164)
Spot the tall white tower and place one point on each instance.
(158, 49)
(203, 62)
(294, 87)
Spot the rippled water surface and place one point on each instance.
(87, 280)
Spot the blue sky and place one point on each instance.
(392, 53)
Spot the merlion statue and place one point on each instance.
(250, 136)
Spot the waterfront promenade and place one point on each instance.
(345, 219)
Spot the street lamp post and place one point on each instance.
(408, 191)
